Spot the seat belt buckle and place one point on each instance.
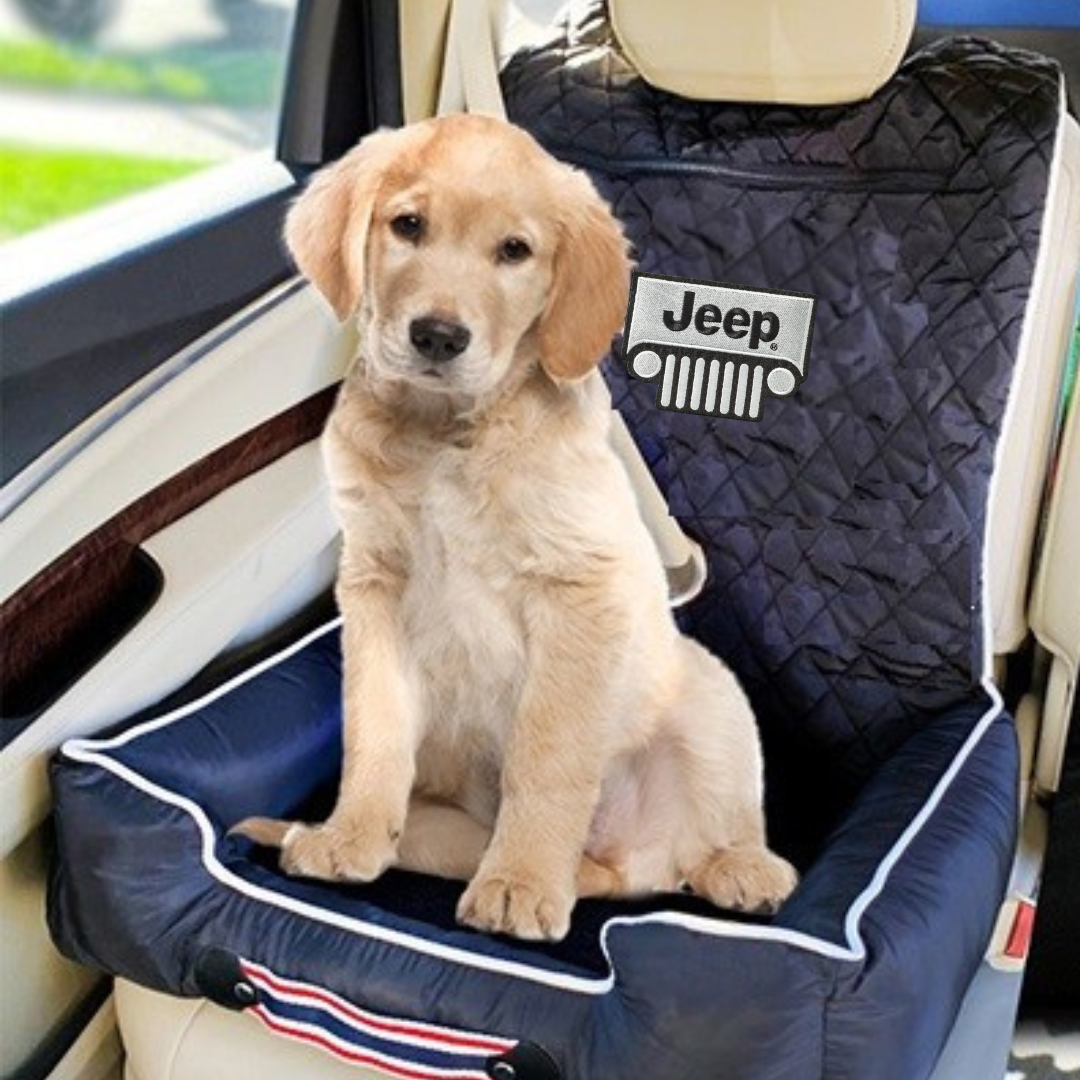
(1010, 943)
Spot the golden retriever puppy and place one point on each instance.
(520, 710)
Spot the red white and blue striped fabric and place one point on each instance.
(400, 1048)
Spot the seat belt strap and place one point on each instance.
(470, 83)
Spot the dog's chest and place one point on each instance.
(463, 598)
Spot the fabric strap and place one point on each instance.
(470, 83)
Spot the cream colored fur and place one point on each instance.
(520, 709)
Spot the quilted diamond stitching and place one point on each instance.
(844, 530)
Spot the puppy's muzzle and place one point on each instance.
(438, 340)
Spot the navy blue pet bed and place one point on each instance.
(891, 916)
(844, 534)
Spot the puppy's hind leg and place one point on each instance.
(437, 839)
(727, 860)
(443, 840)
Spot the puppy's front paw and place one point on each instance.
(338, 851)
(514, 903)
(750, 879)
(333, 851)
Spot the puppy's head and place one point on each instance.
(466, 252)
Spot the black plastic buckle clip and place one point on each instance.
(219, 976)
(527, 1061)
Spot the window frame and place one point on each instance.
(185, 256)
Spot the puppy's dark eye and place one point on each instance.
(408, 226)
(514, 250)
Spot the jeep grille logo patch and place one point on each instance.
(716, 349)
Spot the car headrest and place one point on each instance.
(798, 52)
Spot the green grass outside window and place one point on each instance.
(192, 75)
(39, 186)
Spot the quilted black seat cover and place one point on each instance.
(844, 533)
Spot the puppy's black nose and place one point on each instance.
(437, 339)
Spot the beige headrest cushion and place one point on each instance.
(800, 52)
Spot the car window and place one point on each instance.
(103, 98)
(1050, 27)
(1028, 13)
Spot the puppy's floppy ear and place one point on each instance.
(326, 229)
(590, 285)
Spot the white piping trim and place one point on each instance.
(207, 699)
(896, 852)
(316, 913)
